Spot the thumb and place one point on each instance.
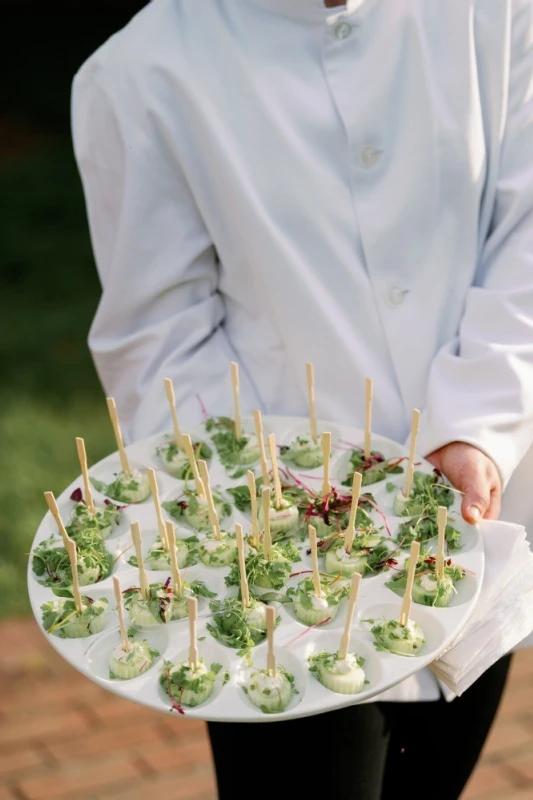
(476, 498)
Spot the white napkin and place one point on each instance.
(503, 616)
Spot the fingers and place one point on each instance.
(476, 500)
(493, 511)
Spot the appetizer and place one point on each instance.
(329, 514)
(401, 639)
(428, 590)
(127, 664)
(423, 528)
(373, 468)
(237, 625)
(235, 452)
(176, 461)
(369, 553)
(304, 451)
(51, 561)
(190, 684)
(193, 510)
(218, 552)
(62, 617)
(158, 558)
(312, 608)
(284, 517)
(264, 571)
(342, 675)
(163, 603)
(270, 689)
(132, 487)
(101, 521)
(270, 693)
(428, 491)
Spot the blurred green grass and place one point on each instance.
(49, 392)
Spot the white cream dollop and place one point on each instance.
(428, 582)
(319, 603)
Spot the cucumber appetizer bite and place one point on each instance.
(423, 528)
(158, 558)
(236, 625)
(313, 609)
(428, 590)
(190, 685)
(128, 664)
(163, 604)
(395, 637)
(284, 517)
(373, 469)
(128, 488)
(342, 675)
(50, 561)
(193, 510)
(271, 693)
(176, 461)
(218, 552)
(304, 451)
(329, 515)
(236, 453)
(428, 491)
(369, 553)
(62, 617)
(267, 572)
(102, 521)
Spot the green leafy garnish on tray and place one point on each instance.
(50, 560)
(373, 469)
(193, 510)
(428, 492)
(423, 528)
(428, 590)
(132, 488)
(188, 685)
(237, 626)
(62, 617)
(175, 460)
(267, 573)
(237, 454)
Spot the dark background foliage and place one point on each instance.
(49, 289)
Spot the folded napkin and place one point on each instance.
(503, 615)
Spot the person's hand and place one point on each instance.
(472, 472)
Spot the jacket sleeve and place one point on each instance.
(160, 312)
(481, 385)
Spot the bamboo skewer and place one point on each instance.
(267, 538)
(275, 470)
(154, 488)
(407, 597)
(350, 531)
(352, 600)
(242, 566)
(412, 450)
(176, 576)
(236, 399)
(171, 397)
(442, 519)
(137, 543)
(258, 421)
(118, 436)
(326, 452)
(314, 555)
(368, 417)
(213, 516)
(73, 556)
(192, 608)
(186, 439)
(54, 510)
(271, 624)
(310, 371)
(126, 646)
(253, 502)
(82, 455)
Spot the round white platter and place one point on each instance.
(294, 642)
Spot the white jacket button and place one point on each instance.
(342, 30)
(396, 296)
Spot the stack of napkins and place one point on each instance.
(503, 616)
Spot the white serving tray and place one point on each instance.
(229, 702)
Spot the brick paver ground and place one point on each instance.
(64, 738)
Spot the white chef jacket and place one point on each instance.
(271, 182)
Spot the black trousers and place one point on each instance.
(377, 751)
